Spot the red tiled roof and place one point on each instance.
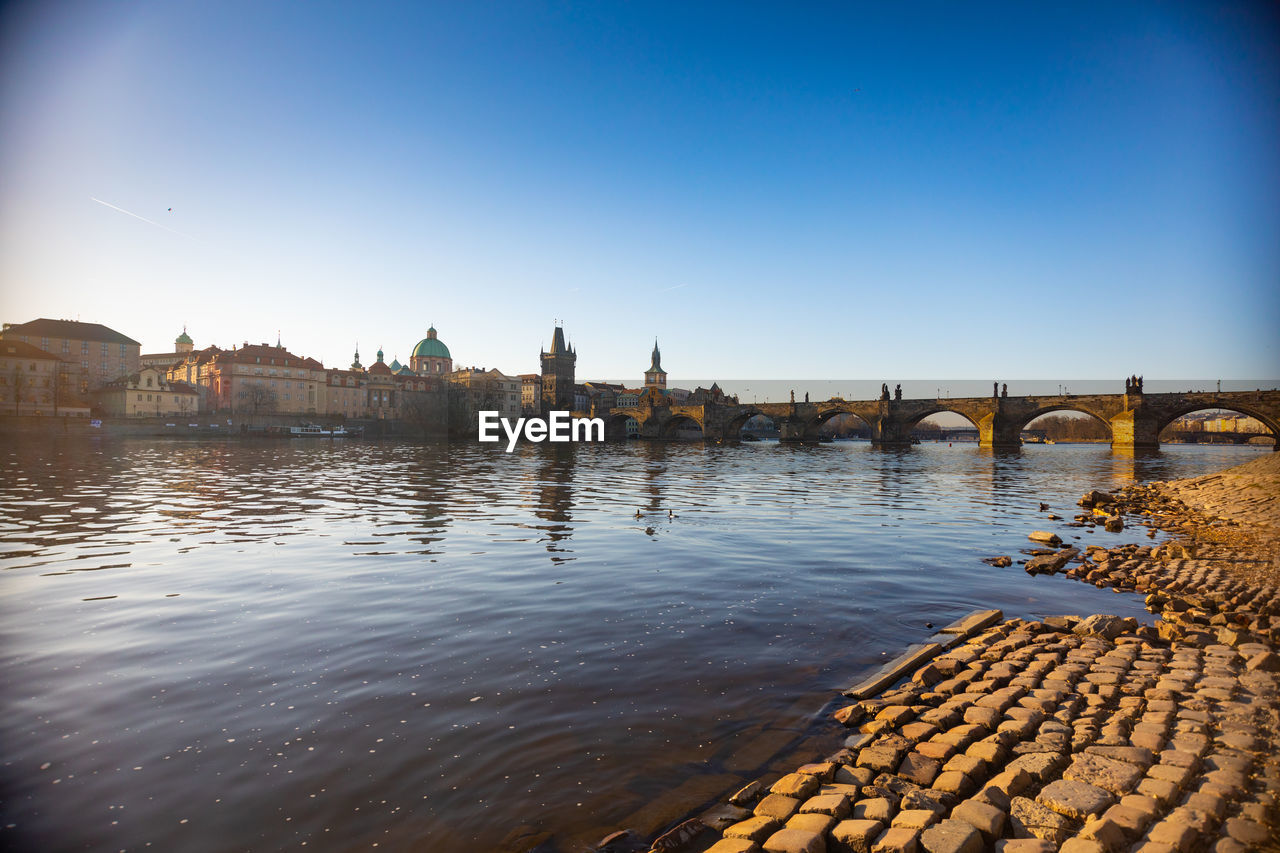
(21, 349)
(74, 329)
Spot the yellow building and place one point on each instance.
(489, 390)
(148, 393)
(35, 382)
(100, 353)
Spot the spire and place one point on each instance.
(355, 364)
(557, 341)
(379, 355)
(278, 346)
(657, 358)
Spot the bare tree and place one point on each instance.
(258, 398)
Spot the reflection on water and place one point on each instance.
(241, 645)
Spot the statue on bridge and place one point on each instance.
(1133, 385)
(897, 392)
(1004, 390)
(793, 396)
(884, 391)
(995, 389)
(806, 396)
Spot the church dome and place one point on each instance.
(183, 338)
(431, 346)
(395, 365)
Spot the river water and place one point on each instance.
(270, 645)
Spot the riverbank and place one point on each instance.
(1080, 733)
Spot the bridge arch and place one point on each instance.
(733, 427)
(678, 421)
(615, 426)
(1026, 421)
(827, 416)
(1237, 407)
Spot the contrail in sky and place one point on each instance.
(673, 287)
(143, 218)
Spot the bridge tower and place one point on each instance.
(557, 374)
(655, 376)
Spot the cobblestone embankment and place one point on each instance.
(1075, 733)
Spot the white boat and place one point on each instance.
(315, 430)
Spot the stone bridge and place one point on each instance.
(1135, 418)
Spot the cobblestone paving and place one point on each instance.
(1079, 734)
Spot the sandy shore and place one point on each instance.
(1078, 733)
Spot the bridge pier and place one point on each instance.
(791, 430)
(999, 432)
(1135, 428)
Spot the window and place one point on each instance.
(139, 398)
(148, 381)
(148, 398)
(123, 351)
(84, 347)
(66, 346)
(44, 344)
(84, 365)
(104, 350)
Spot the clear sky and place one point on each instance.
(774, 190)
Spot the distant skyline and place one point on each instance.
(772, 190)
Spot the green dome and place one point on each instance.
(183, 338)
(431, 346)
(395, 365)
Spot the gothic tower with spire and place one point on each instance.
(557, 374)
(655, 376)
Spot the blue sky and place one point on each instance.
(772, 190)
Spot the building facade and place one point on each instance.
(148, 393)
(255, 379)
(36, 382)
(100, 354)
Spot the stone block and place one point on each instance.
(954, 782)
(834, 805)
(972, 767)
(748, 794)
(1175, 833)
(1038, 765)
(936, 750)
(879, 809)
(801, 786)
(1075, 799)
(854, 836)
(818, 823)
(1109, 835)
(754, 829)
(778, 807)
(918, 769)
(915, 818)
(1118, 777)
(984, 817)
(1247, 832)
(952, 836)
(880, 758)
(1029, 819)
(1160, 790)
(723, 815)
(853, 775)
(897, 839)
(794, 841)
